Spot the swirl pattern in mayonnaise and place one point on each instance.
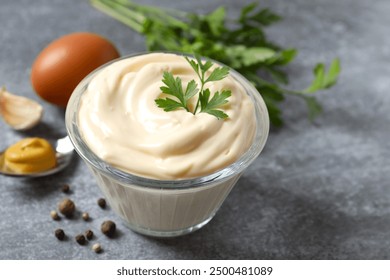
(121, 123)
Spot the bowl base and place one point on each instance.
(167, 234)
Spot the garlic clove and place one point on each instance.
(19, 112)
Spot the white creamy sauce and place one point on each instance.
(121, 123)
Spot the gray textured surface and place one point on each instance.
(317, 192)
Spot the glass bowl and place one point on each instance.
(165, 208)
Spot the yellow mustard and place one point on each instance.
(30, 155)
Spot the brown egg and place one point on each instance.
(66, 61)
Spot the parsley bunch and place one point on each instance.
(242, 44)
(173, 87)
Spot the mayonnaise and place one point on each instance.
(121, 123)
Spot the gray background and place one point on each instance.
(318, 191)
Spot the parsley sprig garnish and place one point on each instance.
(173, 87)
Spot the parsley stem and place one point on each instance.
(201, 77)
(127, 16)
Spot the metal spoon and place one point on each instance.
(64, 152)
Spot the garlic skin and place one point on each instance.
(19, 112)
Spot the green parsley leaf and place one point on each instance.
(216, 21)
(193, 64)
(264, 17)
(191, 90)
(168, 104)
(333, 73)
(324, 80)
(218, 74)
(203, 66)
(216, 101)
(174, 87)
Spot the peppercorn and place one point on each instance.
(67, 207)
(60, 234)
(85, 216)
(108, 228)
(65, 188)
(89, 234)
(80, 239)
(54, 215)
(102, 203)
(97, 248)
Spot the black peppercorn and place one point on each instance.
(66, 207)
(65, 188)
(102, 203)
(60, 234)
(80, 239)
(108, 228)
(89, 234)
